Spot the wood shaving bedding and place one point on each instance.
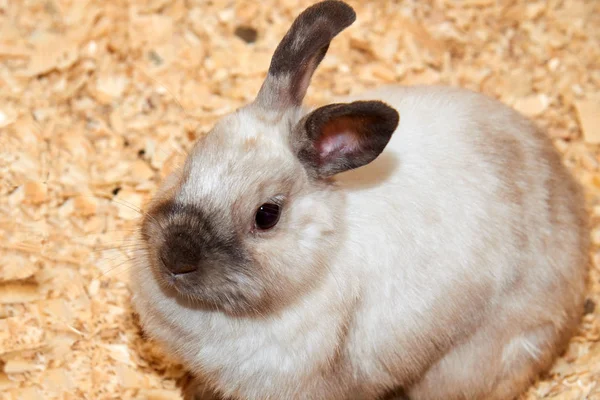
(100, 100)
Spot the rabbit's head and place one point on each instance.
(251, 220)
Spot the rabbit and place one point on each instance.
(418, 242)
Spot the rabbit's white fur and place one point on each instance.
(456, 270)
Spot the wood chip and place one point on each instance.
(34, 192)
(20, 366)
(160, 394)
(26, 393)
(18, 292)
(141, 171)
(588, 113)
(532, 106)
(20, 334)
(57, 382)
(15, 266)
(51, 52)
(6, 383)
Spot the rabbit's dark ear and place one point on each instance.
(339, 137)
(300, 52)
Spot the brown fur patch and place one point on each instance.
(250, 143)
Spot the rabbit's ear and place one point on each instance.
(339, 137)
(300, 52)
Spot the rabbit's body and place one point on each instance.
(481, 275)
(451, 266)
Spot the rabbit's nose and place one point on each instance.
(181, 253)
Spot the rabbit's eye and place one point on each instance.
(267, 216)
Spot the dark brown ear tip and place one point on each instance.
(379, 109)
(390, 114)
(337, 10)
(337, 14)
(301, 50)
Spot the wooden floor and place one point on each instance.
(100, 99)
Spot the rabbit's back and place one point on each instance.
(463, 168)
(467, 220)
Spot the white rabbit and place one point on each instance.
(424, 242)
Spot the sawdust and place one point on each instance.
(99, 100)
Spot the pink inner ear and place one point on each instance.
(338, 142)
(339, 135)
